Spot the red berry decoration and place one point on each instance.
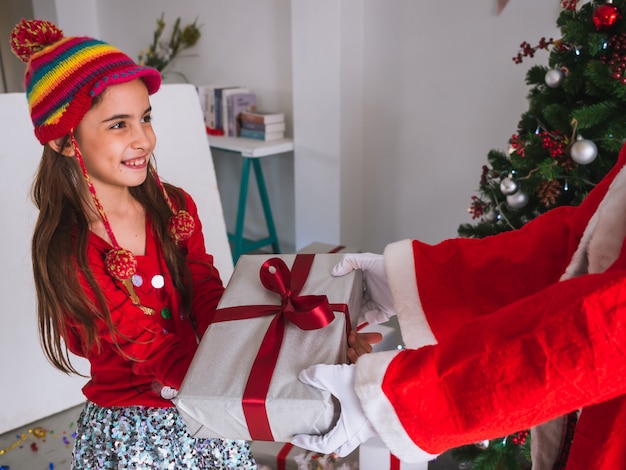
(520, 438)
(606, 17)
(616, 58)
(569, 4)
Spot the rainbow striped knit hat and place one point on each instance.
(64, 74)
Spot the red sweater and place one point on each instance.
(147, 351)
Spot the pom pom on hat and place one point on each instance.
(32, 36)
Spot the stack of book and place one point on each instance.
(223, 106)
(262, 125)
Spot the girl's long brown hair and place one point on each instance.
(59, 253)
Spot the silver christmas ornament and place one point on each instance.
(554, 78)
(517, 200)
(508, 186)
(583, 152)
(491, 216)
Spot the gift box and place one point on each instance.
(285, 456)
(319, 247)
(374, 455)
(278, 315)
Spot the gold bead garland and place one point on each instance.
(37, 432)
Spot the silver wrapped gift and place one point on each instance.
(233, 389)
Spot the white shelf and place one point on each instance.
(250, 147)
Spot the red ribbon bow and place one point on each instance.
(307, 312)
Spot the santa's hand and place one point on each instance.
(353, 427)
(169, 393)
(377, 304)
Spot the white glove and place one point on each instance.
(169, 393)
(377, 304)
(353, 427)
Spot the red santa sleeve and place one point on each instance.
(437, 287)
(454, 288)
(538, 358)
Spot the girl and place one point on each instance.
(121, 271)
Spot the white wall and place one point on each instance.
(441, 91)
(317, 119)
(11, 12)
(398, 146)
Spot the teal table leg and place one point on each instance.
(237, 238)
(269, 220)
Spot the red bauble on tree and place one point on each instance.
(606, 17)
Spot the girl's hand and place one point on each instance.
(361, 343)
(169, 393)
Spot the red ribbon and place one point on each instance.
(394, 462)
(281, 458)
(308, 312)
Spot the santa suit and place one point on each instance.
(508, 332)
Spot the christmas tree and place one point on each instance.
(575, 125)
(565, 143)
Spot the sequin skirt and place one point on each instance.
(149, 438)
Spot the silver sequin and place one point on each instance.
(136, 437)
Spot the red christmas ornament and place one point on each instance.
(606, 17)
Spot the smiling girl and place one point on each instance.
(121, 271)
